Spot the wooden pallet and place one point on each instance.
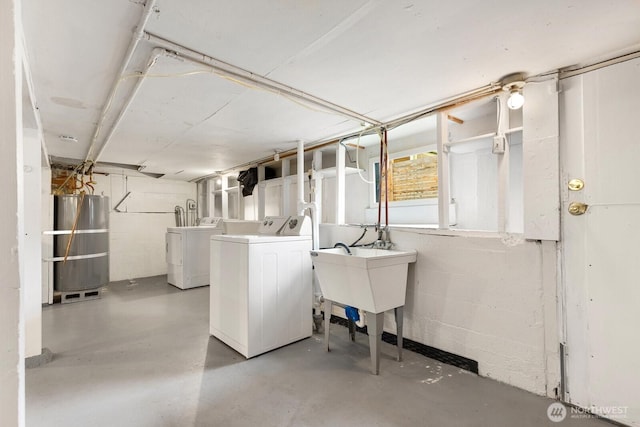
(77, 296)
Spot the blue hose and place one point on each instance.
(352, 313)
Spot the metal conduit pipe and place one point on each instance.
(157, 52)
(247, 76)
(466, 97)
(133, 44)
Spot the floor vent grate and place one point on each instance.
(416, 347)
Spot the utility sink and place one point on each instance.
(373, 280)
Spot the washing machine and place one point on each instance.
(187, 252)
(261, 286)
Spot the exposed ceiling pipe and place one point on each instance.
(230, 70)
(157, 52)
(448, 103)
(570, 72)
(133, 44)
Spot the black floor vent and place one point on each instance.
(425, 350)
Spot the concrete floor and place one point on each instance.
(142, 356)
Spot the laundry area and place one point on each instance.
(320, 213)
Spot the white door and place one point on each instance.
(600, 145)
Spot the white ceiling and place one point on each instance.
(380, 59)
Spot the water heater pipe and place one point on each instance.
(302, 205)
(315, 228)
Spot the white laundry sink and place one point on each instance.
(373, 280)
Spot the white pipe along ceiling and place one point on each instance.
(186, 89)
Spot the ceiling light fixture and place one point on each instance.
(513, 83)
(516, 99)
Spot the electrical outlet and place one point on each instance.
(498, 144)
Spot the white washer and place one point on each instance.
(261, 296)
(188, 253)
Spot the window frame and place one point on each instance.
(373, 160)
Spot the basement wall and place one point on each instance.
(31, 242)
(12, 330)
(484, 297)
(137, 234)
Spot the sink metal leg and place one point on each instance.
(375, 324)
(327, 321)
(399, 312)
(352, 329)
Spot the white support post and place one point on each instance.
(503, 162)
(32, 243)
(240, 203)
(225, 197)
(261, 192)
(300, 201)
(285, 200)
(340, 184)
(317, 177)
(212, 195)
(444, 196)
(540, 158)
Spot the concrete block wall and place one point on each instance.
(137, 234)
(483, 297)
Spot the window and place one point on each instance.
(481, 184)
(413, 176)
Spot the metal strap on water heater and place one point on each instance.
(62, 232)
(76, 257)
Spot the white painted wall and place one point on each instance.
(515, 223)
(356, 199)
(541, 164)
(474, 186)
(46, 214)
(485, 298)
(32, 242)
(137, 235)
(11, 310)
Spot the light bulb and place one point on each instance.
(516, 100)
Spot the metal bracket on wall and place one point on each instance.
(115, 208)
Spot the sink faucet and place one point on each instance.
(382, 243)
(344, 246)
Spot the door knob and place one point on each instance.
(577, 208)
(576, 184)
